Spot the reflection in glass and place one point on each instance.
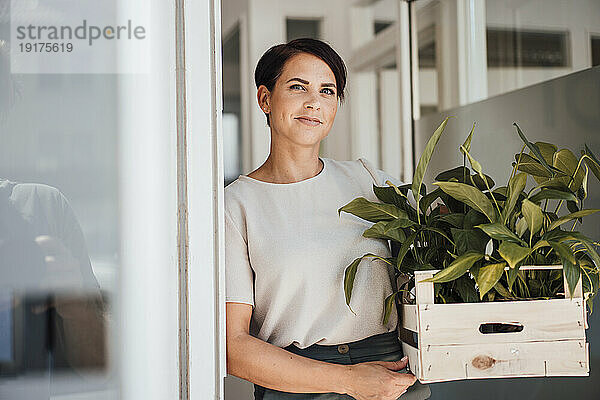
(58, 228)
(527, 48)
(595, 44)
(231, 146)
(517, 44)
(232, 108)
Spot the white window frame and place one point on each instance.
(206, 268)
(171, 315)
(590, 34)
(369, 53)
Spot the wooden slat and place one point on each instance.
(521, 268)
(445, 324)
(413, 358)
(409, 317)
(451, 347)
(424, 290)
(587, 356)
(504, 360)
(538, 267)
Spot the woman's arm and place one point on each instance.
(267, 365)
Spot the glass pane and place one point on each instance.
(300, 28)
(58, 230)
(384, 14)
(484, 49)
(595, 44)
(232, 111)
(509, 47)
(60, 237)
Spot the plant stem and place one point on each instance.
(578, 165)
(464, 177)
(492, 194)
(558, 207)
(517, 164)
(382, 259)
(418, 213)
(484, 181)
(586, 274)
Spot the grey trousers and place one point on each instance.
(383, 347)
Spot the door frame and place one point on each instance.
(202, 273)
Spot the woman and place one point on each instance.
(289, 330)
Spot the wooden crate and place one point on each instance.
(449, 345)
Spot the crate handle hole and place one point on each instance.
(496, 327)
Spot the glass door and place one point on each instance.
(110, 200)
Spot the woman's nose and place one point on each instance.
(312, 103)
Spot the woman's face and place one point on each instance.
(303, 103)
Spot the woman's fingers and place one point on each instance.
(380, 380)
(401, 379)
(394, 365)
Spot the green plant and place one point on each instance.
(479, 235)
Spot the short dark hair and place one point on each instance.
(271, 64)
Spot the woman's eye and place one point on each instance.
(329, 91)
(296, 86)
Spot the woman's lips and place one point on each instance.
(309, 121)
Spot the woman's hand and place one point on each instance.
(264, 364)
(378, 380)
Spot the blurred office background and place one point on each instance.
(411, 64)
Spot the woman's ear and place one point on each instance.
(264, 99)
